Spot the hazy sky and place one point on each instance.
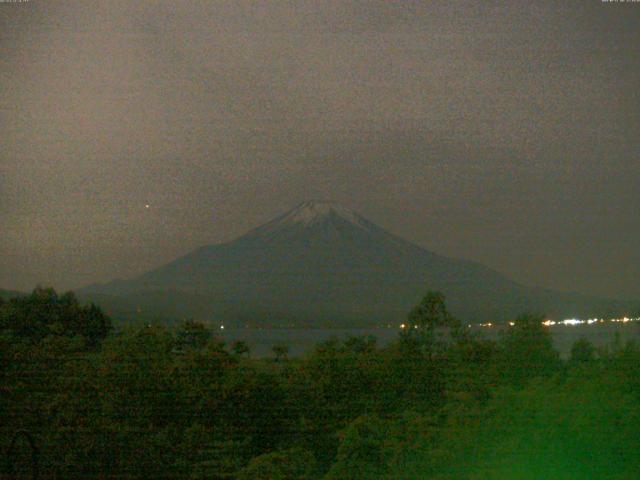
(503, 132)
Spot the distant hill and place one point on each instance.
(322, 264)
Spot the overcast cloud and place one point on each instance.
(503, 132)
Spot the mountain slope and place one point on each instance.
(8, 294)
(322, 264)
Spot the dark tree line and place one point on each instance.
(441, 403)
(45, 313)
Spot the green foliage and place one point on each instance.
(280, 351)
(582, 352)
(582, 427)
(430, 313)
(192, 334)
(526, 350)
(220, 460)
(375, 447)
(430, 326)
(151, 402)
(45, 313)
(240, 348)
(292, 464)
(361, 453)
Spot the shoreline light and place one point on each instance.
(549, 323)
(590, 321)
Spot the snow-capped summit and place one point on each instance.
(317, 210)
(313, 215)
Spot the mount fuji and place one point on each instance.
(321, 264)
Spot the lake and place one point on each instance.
(301, 341)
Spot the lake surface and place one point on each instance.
(301, 341)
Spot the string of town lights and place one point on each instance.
(574, 322)
(551, 323)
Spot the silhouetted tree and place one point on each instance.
(430, 325)
(360, 344)
(527, 351)
(45, 313)
(193, 334)
(240, 347)
(280, 351)
(582, 352)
